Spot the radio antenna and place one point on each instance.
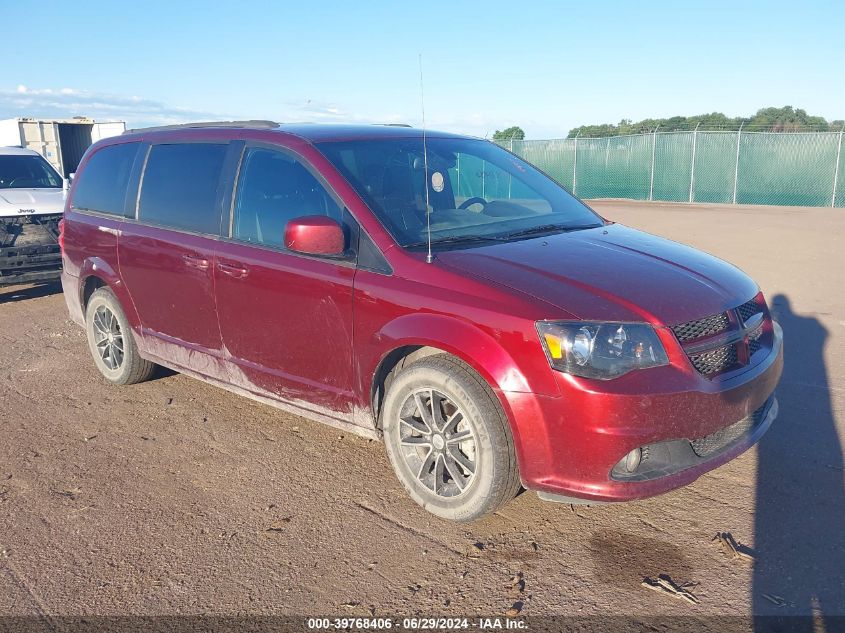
(428, 257)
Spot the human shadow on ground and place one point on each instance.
(799, 524)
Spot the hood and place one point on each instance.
(611, 273)
(18, 202)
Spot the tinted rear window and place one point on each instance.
(102, 183)
(179, 189)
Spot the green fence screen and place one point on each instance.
(804, 169)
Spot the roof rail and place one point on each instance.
(253, 124)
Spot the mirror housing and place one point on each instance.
(315, 235)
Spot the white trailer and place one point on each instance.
(61, 141)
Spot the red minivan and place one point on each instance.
(432, 290)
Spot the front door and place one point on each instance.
(166, 256)
(286, 319)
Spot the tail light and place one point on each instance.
(62, 236)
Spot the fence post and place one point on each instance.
(510, 176)
(575, 163)
(736, 169)
(836, 169)
(653, 150)
(692, 169)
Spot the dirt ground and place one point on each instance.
(175, 497)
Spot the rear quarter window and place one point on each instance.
(179, 187)
(101, 186)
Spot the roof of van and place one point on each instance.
(314, 132)
(317, 132)
(5, 151)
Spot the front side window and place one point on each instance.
(101, 186)
(273, 189)
(179, 187)
(476, 190)
(27, 171)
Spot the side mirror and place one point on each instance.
(315, 235)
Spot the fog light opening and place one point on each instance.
(633, 459)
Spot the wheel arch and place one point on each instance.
(390, 365)
(97, 273)
(415, 336)
(89, 286)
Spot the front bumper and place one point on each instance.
(569, 446)
(29, 250)
(30, 264)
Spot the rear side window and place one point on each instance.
(179, 187)
(102, 183)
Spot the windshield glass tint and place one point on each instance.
(19, 171)
(476, 189)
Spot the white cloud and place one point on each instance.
(138, 111)
(69, 102)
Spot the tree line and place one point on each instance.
(785, 119)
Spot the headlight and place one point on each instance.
(600, 350)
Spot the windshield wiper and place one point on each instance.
(467, 239)
(548, 228)
(455, 239)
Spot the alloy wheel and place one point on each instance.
(108, 337)
(438, 442)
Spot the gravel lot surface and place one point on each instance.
(175, 497)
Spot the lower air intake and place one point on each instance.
(715, 442)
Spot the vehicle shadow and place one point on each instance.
(8, 294)
(163, 372)
(799, 530)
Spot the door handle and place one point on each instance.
(239, 272)
(194, 261)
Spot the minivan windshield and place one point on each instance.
(477, 191)
(22, 171)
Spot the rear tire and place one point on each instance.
(448, 440)
(111, 342)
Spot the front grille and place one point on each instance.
(748, 310)
(699, 328)
(715, 361)
(728, 352)
(715, 442)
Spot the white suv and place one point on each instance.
(31, 205)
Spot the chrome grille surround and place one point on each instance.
(722, 342)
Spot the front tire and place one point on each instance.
(448, 439)
(111, 342)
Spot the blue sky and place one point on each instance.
(547, 66)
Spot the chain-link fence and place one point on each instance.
(805, 169)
